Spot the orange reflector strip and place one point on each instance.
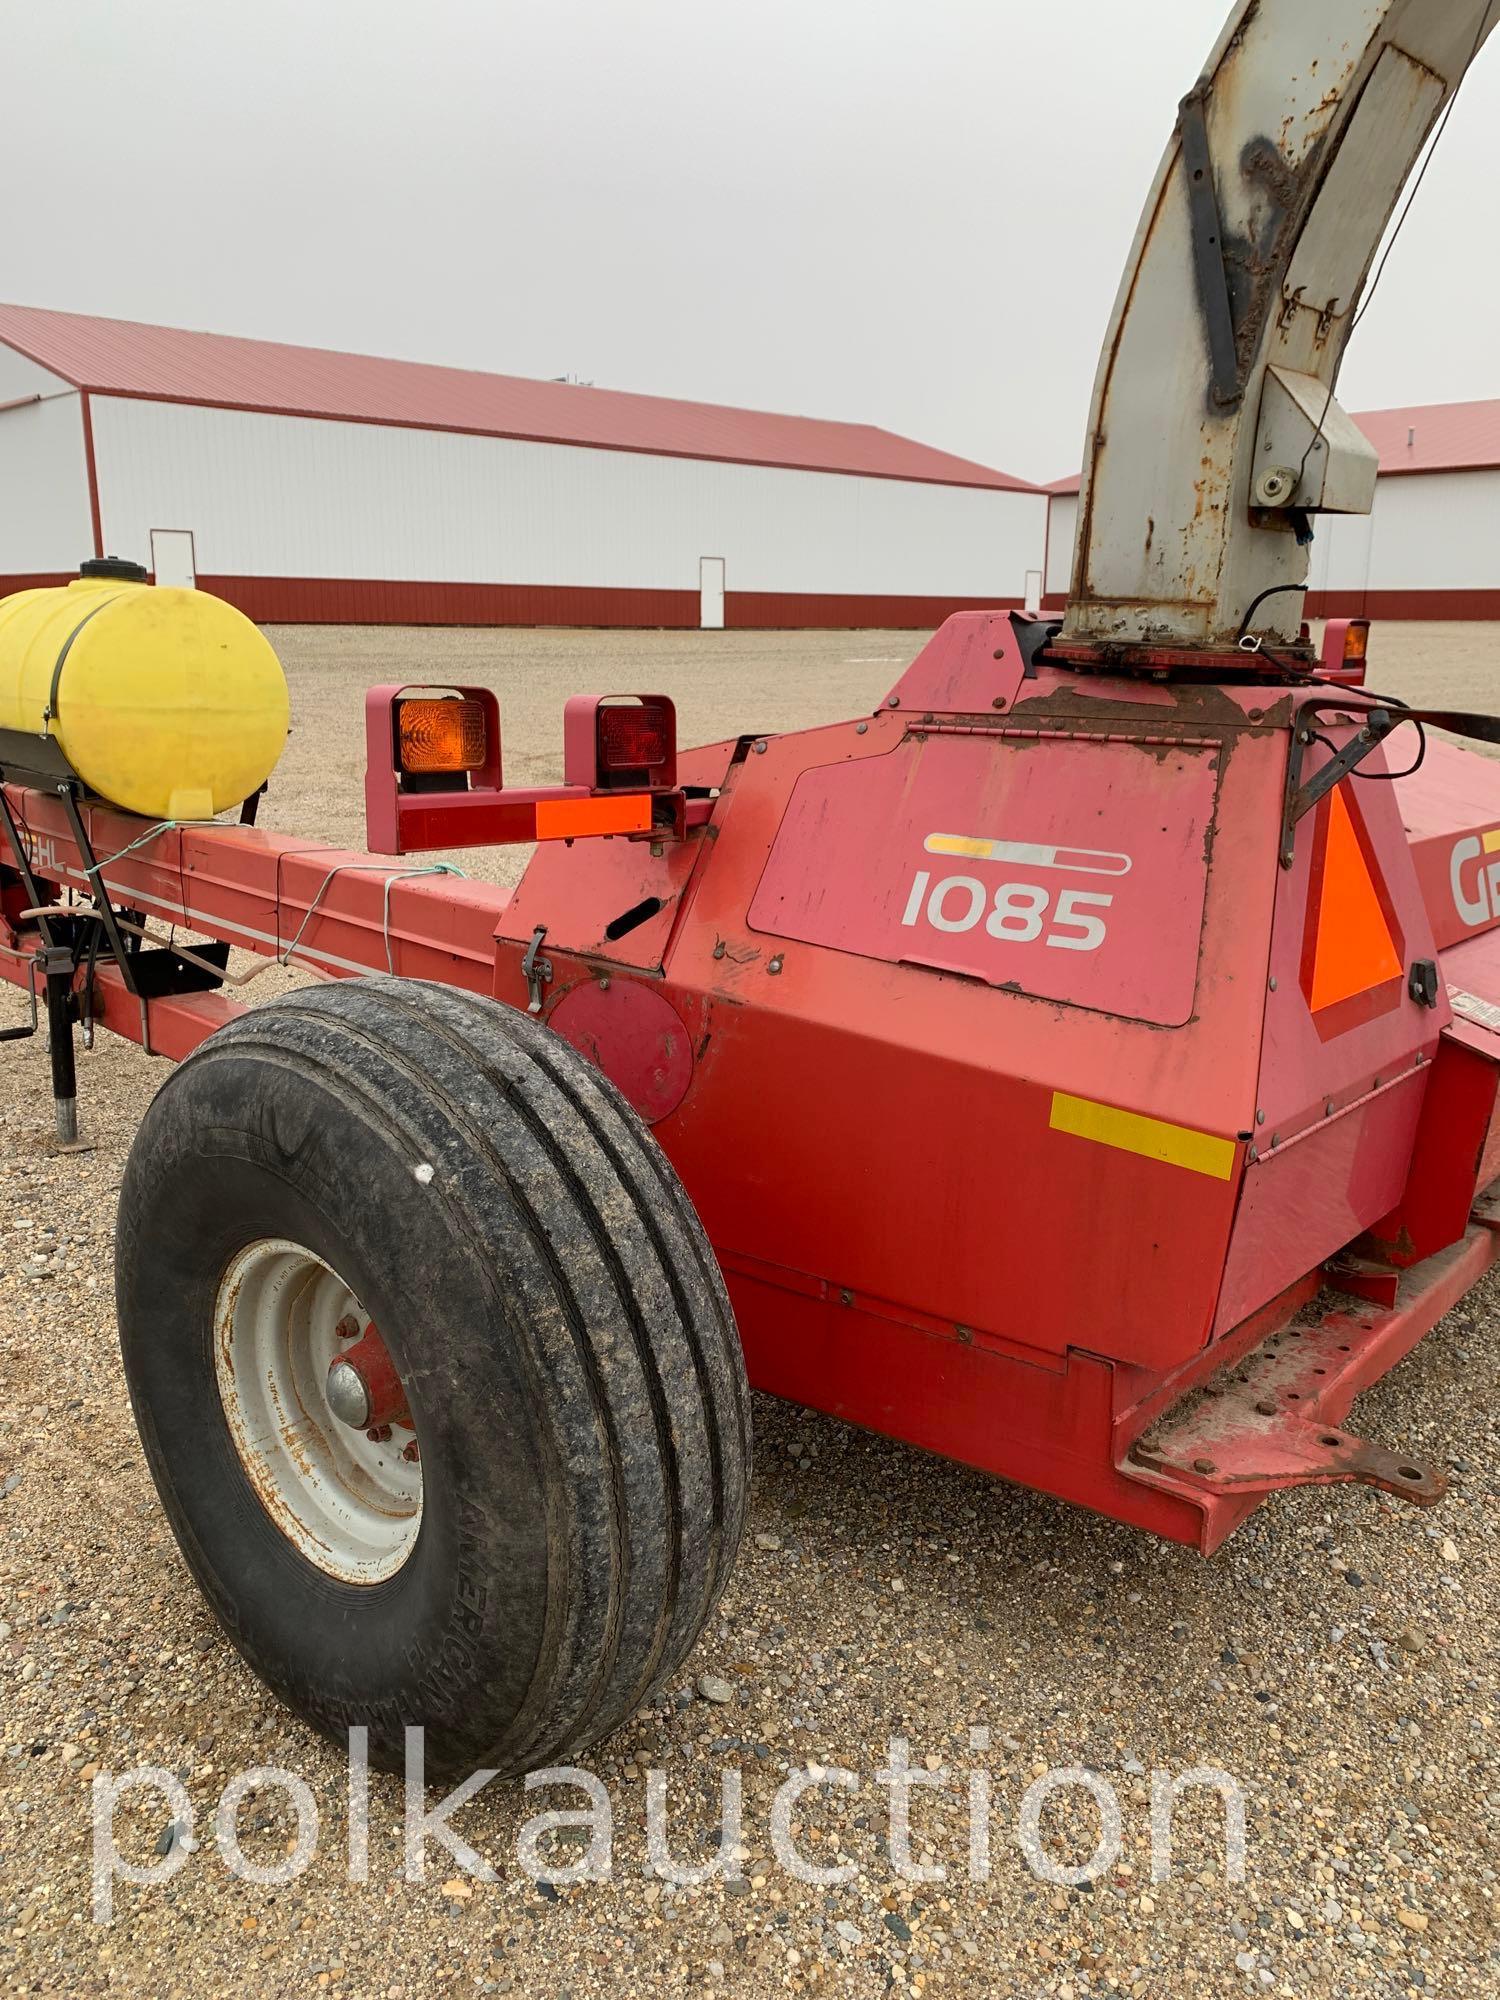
(1354, 948)
(442, 735)
(574, 819)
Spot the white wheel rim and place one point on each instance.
(351, 1504)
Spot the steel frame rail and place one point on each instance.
(330, 911)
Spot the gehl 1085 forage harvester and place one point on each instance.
(1085, 1066)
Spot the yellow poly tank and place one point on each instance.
(169, 703)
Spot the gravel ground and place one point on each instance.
(1337, 1658)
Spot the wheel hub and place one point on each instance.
(363, 1389)
(320, 1422)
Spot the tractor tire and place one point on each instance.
(528, 1536)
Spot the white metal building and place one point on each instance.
(1430, 548)
(306, 485)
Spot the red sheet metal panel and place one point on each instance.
(1450, 808)
(973, 665)
(368, 600)
(1460, 605)
(319, 600)
(1471, 971)
(1069, 870)
(1346, 1055)
(1307, 1199)
(1314, 1060)
(1052, 1429)
(891, 1133)
(1455, 1155)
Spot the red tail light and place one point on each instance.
(633, 738)
(617, 743)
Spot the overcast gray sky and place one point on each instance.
(904, 212)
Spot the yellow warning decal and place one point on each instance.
(1491, 839)
(1152, 1138)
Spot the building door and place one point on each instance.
(173, 560)
(1033, 593)
(711, 593)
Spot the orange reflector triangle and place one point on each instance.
(1354, 949)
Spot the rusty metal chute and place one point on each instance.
(1213, 433)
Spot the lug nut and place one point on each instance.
(411, 1453)
(347, 1328)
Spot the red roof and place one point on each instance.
(1427, 437)
(1443, 437)
(113, 357)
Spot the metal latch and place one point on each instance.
(536, 971)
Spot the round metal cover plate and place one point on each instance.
(635, 1036)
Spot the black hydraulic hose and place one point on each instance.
(1275, 590)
